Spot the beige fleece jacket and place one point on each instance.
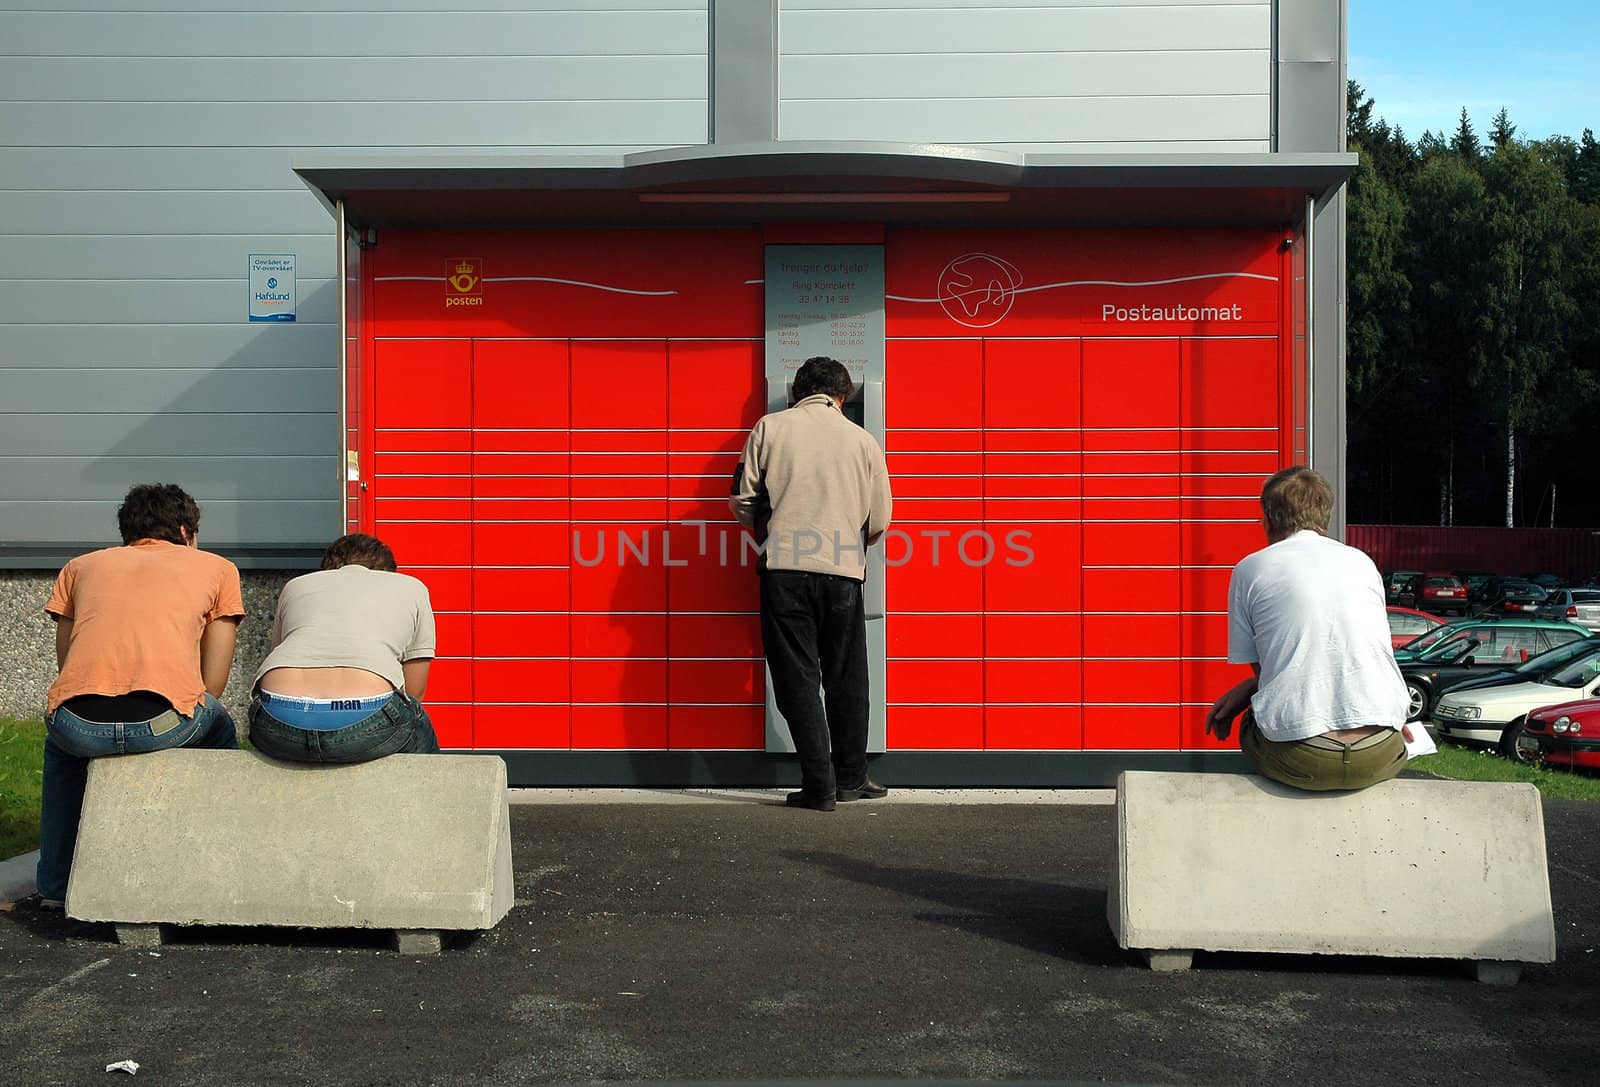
(824, 481)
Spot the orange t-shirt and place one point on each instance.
(137, 612)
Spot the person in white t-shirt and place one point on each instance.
(348, 665)
(1325, 706)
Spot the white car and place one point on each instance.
(1495, 715)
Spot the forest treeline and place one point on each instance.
(1474, 325)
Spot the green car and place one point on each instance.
(1490, 639)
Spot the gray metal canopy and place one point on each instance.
(892, 183)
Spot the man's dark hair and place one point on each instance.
(821, 374)
(357, 549)
(156, 511)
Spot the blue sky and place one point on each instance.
(1422, 60)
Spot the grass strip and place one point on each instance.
(21, 774)
(1474, 764)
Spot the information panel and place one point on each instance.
(823, 300)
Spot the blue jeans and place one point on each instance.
(399, 726)
(70, 742)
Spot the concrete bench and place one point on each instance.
(1405, 869)
(419, 844)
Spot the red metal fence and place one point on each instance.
(1573, 553)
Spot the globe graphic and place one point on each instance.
(977, 289)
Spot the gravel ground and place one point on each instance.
(27, 639)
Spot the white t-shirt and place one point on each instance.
(351, 617)
(1310, 612)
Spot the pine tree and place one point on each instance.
(1501, 130)
(1584, 181)
(1465, 141)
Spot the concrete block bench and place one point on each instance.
(1405, 869)
(419, 844)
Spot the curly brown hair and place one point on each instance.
(358, 549)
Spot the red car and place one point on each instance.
(1408, 623)
(1442, 593)
(1564, 735)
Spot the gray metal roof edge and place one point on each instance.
(790, 159)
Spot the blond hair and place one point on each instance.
(1294, 499)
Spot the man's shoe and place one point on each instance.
(37, 903)
(815, 803)
(867, 790)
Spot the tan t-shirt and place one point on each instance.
(352, 617)
(137, 613)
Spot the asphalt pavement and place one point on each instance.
(739, 940)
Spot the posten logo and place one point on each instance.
(463, 282)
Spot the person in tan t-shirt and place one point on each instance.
(145, 636)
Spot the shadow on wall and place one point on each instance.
(253, 436)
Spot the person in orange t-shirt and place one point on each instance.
(145, 635)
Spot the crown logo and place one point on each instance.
(465, 277)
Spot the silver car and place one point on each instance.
(1581, 606)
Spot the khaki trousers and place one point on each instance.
(1320, 764)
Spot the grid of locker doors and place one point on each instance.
(566, 503)
(1131, 466)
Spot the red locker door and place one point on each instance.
(1131, 544)
(1232, 433)
(714, 670)
(1033, 583)
(421, 434)
(933, 405)
(618, 530)
(521, 559)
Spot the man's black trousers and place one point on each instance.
(814, 629)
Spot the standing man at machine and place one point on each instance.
(814, 488)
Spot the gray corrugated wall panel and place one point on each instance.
(263, 433)
(233, 346)
(351, 125)
(339, 34)
(222, 520)
(162, 258)
(255, 6)
(138, 301)
(107, 478)
(357, 79)
(170, 392)
(987, 122)
(269, 212)
(1041, 75)
(1038, 28)
(212, 169)
(1126, 74)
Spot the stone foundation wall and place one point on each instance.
(28, 645)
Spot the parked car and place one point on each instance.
(1439, 635)
(1442, 594)
(1581, 606)
(1475, 581)
(1534, 668)
(1513, 594)
(1406, 624)
(1566, 734)
(1547, 581)
(1497, 715)
(1480, 649)
(1400, 587)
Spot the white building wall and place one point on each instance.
(1029, 75)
